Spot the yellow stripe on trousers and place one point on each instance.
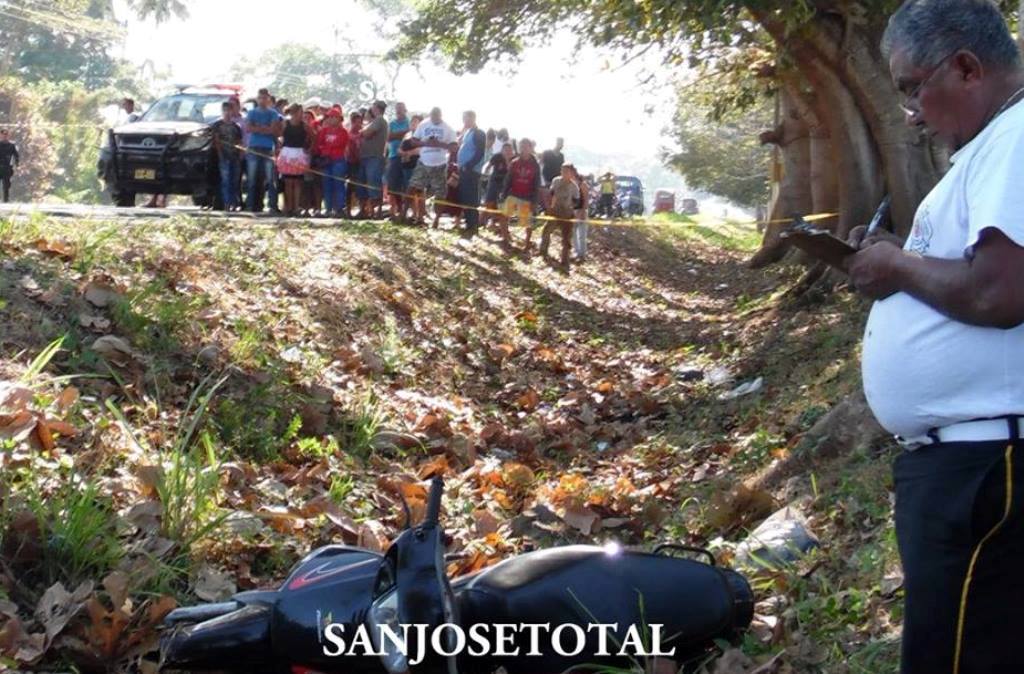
(974, 559)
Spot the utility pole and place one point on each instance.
(334, 65)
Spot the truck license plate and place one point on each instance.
(145, 174)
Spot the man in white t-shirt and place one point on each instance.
(943, 357)
(433, 136)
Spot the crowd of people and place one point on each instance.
(322, 164)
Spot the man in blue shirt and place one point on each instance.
(397, 130)
(472, 151)
(264, 127)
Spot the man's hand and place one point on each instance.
(860, 239)
(873, 270)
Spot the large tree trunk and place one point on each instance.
(820, 169)
(851, 51)
(824, 181)
(858, 167)
(874, 151)
(795, 196)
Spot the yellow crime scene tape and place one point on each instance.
(621, 222)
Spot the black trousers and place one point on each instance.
(960, 529)
(5, 182)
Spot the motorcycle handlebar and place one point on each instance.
(434, 501)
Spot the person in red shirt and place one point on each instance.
(521, 191)
(332, 147)
(353, 155)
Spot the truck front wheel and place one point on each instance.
(124, 199)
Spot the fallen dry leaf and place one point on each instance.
(19, 645)
(57, 607)
(56, 248)
(214, 584)
(740, 505)
(581, 518)
(485, 522)
(528, 401)
(100, 294)
(67, 398)
(14, 397)
(502, 352)
(90, 322)
(114, 349)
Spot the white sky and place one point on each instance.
(588, 104)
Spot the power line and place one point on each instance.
(81, 26)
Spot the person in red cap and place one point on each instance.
(332, 146)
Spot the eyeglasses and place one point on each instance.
(910, 99)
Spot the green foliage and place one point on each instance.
(40, 362)
(341, 487)
(188, 482)
(708, 230)
(297, 71)
(188, 489)
(317, 448)
(468, 34)
(259, 423)
(74, 127)
(394, 353)
(160, 10)
(38, 156)
(68, 40)
(362, 426)
(725, 156)
(78, 531)
(65, 40)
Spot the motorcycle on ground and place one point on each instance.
(312, 622)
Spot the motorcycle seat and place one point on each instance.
(582, 585)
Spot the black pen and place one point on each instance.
(876, 220)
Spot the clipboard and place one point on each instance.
(818, 243)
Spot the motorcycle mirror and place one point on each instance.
(412, 585)
(434, 502)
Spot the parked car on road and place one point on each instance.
(169, 150)
(664, 201)
(689, 207)
(630, 193)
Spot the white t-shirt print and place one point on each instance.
(434, 156)
(922, 369)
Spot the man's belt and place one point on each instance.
(980, 430)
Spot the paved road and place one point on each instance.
(103, 212)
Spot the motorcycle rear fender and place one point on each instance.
(239, 641)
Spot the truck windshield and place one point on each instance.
(186, 108)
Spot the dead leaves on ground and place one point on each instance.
(21, 420)
(101, 626)
(528, 403)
